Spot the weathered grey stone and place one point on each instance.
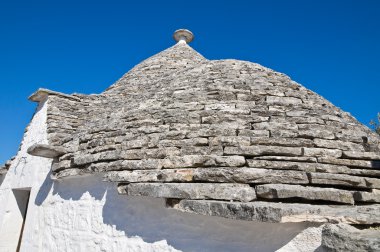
(69, 173)
(365, 172)
(283, 100)
(253, 133)
(82, 159)
(201, 150)
(202, 161)
(274, 126)
(367, 197)
(155, 153)
(209, 130)
(361, 155)
(285, 158)
(144, 164)
(225, 117)
(300, 166)
(337, 144)
(263, 150)
(250, 175)
(180, 175)
(284, 133)
(220, 106)
(184, 142)
(282, 212)
(320, 152)
(149, 129)
(276, 141)
(357, 135)
(281, 191)
(344, 180)
(297, 113)
(350, 162)
(230, 141)
(343, 237)
(60, 165)
(47, 151)
(316, 133)
(307, 120)
(42, 93)
(234, 192)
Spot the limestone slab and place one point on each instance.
(367, 197)
(225, 191)
(282, 212)
(144, 164)
(42, 93)
(278, 141)
(250, 176)
(263, 150)
(344, 180)
(350, 162)
(202, 161)
(47, 151)
(281, 191)
(300, 166)
(172, 175)
(361, 155)
(321, 152)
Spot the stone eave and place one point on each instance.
(41, 94)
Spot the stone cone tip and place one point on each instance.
(183, 35)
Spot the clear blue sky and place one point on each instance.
(331, 47)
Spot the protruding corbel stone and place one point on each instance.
(47, 151)
(42, 93)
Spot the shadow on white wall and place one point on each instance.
(149, 219)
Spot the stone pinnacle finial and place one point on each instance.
(183, 36)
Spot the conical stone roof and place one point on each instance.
(220, 137)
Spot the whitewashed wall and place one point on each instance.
(86, 214)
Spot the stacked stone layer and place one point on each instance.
(190, 130)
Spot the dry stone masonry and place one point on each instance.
(226, 138)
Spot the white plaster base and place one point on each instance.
(86, 214)
(90, 216)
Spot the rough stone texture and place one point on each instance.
(352, 163)
(262, 150)
(282, 212)
(280, 191)
(178, 117)
(319, 152)
(233, 192)
(181, 175)
(250, 176)
(344, 237)
(343, 180)
(361, 155)
(367, 197)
